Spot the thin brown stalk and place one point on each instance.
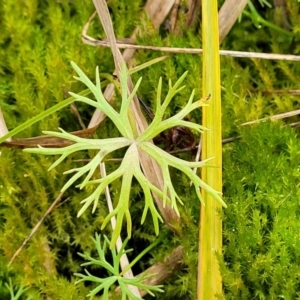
(278, 92)
(36, 227)
(174, 16)
(275, 117)
(242, 54)
(193, 12)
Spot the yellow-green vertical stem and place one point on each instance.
(210, 240)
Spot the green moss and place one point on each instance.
(261, 172)
(261, 236)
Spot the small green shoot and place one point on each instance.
(258, 20)
(19, 293)
(115, 277)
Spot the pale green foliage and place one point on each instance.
(105, 284)
(130, 166)
(19, 293)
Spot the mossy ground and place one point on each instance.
(261, 171)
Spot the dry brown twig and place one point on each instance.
(275, 117)
(174, 16)
(193, 12)
(124, 44)
(35, 228)
(278, 92)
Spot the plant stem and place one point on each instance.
(257, 20)
(210, 240)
